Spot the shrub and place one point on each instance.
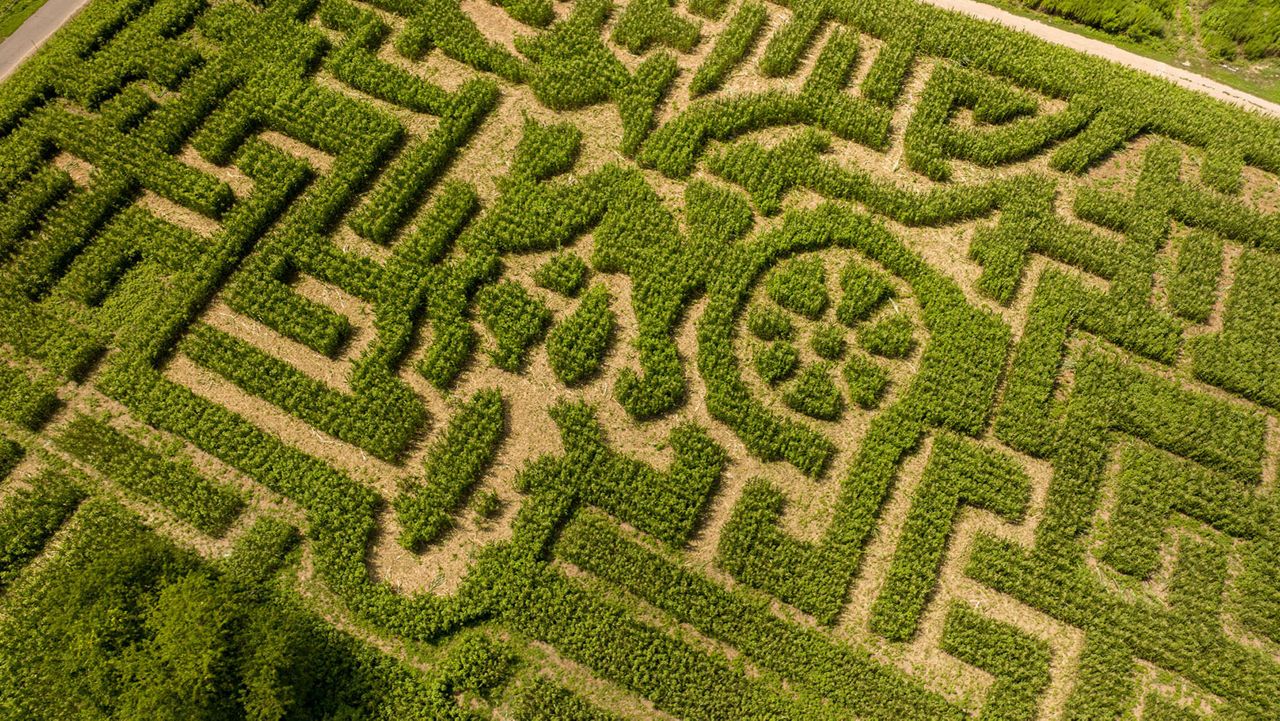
(828, 341)
(565, 273)
(646, 22)
(891, 337)
(516, 319)
(731, 46)
(958, 472)
(866, 380)
(24, 401)
(799, 285)
(1019, 662)
(487, 505)
(29, 518)
(455, 463)
(543, 700)
(776, 362)
(177, 485)
(862, 291)
(1195, 279)
(814, 393)
(787, 45)
(768, 323)
(577, 345)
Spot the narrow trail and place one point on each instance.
(35, 31)
(1065, 38)
(45, 21)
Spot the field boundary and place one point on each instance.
(33, 33)
(55, 13)
(1107, 51)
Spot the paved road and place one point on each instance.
(1101, 49)
(54, 13)
(35, 31)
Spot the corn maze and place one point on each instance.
(708, 360)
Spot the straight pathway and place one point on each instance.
(1066, 38)
(37, 29)
(26, 39)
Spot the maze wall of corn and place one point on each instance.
(569, 359)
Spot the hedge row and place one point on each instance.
(383, 420)
(544, 700)
(959, 472)
(846, 674)
(576, 346)
(814, 576)
(454, 465)
(29, 517)
(25, 401)
(731, 46)
(1001, 137)
(1019, 662)
(645, 23)
(1150, 487)
(664, 504)
(173, 483)
(1109, 394)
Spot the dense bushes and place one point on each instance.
(666, 505)
(88, 267)
(866, 380)
(1253, 27)
(776, 361)
(828, 342)
(1137, 20)
(30, 517)
(730, 47)
(565, 273)
(577, 345)
(1240, 357)
(149, 631)
(516, 319)
(959, 472)
(24, 401)
(383, 421)
(768, 323)
(862, 291)
(646, 22)
(454, 465)
(847, 675)
(799, 286)
(999, 137)
(546, 701)
(191, 496)
(890, 338)
(1019, 662)
(814, 394)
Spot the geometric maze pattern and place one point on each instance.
(719, 360)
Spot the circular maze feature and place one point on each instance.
(824, 334)
(542, 359)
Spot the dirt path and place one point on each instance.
(37, 29)
(1185, 78)
(54, 13)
